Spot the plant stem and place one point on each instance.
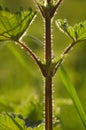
(48, 78)
(32, 54)
(48, 103)
(48, 53)
(66, 51)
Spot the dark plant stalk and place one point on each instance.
(66, 51)
(32, 54)
(48, 59)
(48, 78)
(48, 51)
(56, 7)
(48, 103)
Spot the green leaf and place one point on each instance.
(14, 25)
(76, 33)
(11, 122)
(72, 92)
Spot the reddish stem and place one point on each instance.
(48, 103)
(48, 79)
(32, 54)
(48, 53)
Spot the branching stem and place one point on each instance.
(69, 48)
(56, 7)
(48, 78)
(48, 59)
(32, 54)
(66, 51)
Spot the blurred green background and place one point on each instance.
(21, 84)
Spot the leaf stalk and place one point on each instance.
(32, 54)
(66, 51)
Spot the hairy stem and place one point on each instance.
(39, 7)
(48, 53)
(32, 54)
(66, 51)
(56, 7)
(48, 103)
(48, 78)
(69, 48)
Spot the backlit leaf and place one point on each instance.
(14, 25)
(76, 33)
(11, 122)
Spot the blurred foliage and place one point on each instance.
(21, 84)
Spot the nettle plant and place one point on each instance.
(13, 27)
